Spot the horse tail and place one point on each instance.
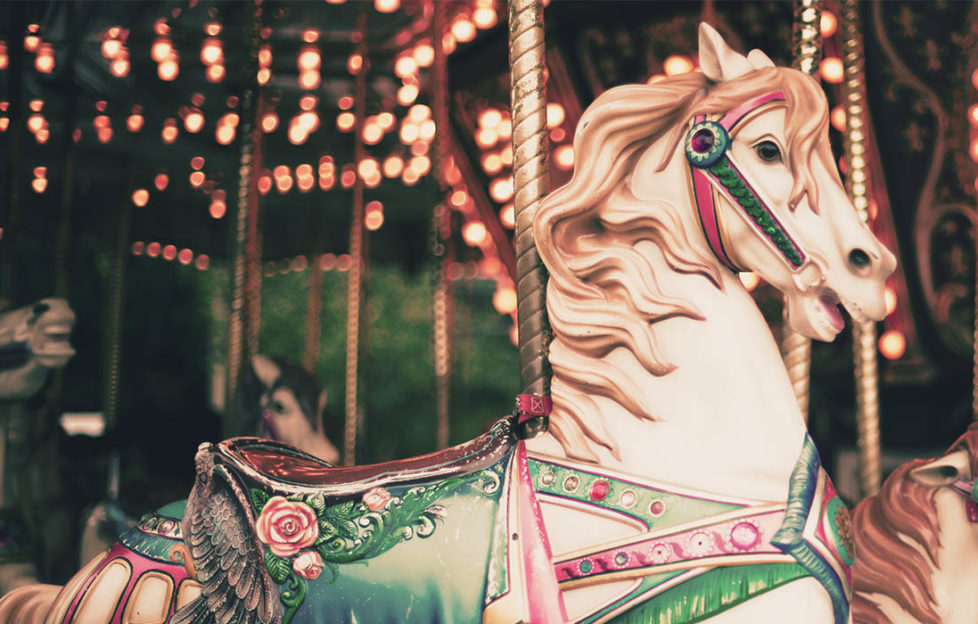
(28, 604)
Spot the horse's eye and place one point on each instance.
(278, 407)
(768, 151)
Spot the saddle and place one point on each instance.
(277, 467)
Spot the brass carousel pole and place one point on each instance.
(314, 310)
(531, 181)
(441, 235)
(239, 306)
(857, 183)
(354, 291)
(806, 53)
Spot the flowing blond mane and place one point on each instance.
(602, 293)
(897, 540)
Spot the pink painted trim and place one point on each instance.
(543, 596)
(529, 406)
(748, 535)
(703, 194)
(733, 117)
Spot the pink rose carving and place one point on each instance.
(308, 564)
(287, 526)
(376, 499)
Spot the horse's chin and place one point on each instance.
(816, 316)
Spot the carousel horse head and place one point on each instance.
(917, 541)
(278, 399)
(33, 340)
(761, 194)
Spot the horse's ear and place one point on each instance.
(717, 60)
(759, 60)
(944, 470)
(266, 370)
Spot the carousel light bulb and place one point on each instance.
(297, 134)
(264, 75)
(215, 73)
(564, 157)
(492, 164)
(326, 182)
(424, 54)
(463, 30)
(310, 35)
(197, 179)
(419, 113)
(44, 62)
(828, 23)
(387, 6)
(309, 121)
(405, 66)
(372, 134)
(153, 249)
(161, 28)
(230, 119)
(211, 51)
(4, 123)
(458, 198)
(264, 184)
(169, 252)
(120, 66)
(134, 122)
(505, 128)
(893, 344)
(354, 63)
(838, 118)
(194, 121)
(308, 102)
(831, 69)
(407, 94)
(269, 122)
(212, 28)
(474, 233)
(35, 122)
(168, 69)
(345, 121)
(140, 197)
(486, 137)
(484, 17)
(345, 102)
(309, 59)
(283, 184)
(677, 64)
(185, 256)
(39, 185)
(170, 131)
(161, 181)
(490, 118)
(347, 178)
(749, 279)
(420, 165)
(373, 220)
(555, 114)
(507, 155)
(225, 135)
(427, 130)
(501, 189)
(504, 300)
(138, 248)
(218, 209)
(202, 262)
(197, 163)
(309, 79)
(281, 171)
(111, 47)
(265, 56)
(386, 121)
(161, 50)
(410, 177)
(507, 216)
(393, 166)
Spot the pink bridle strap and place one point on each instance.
(530, 406)
(733, 117)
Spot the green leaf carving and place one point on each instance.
(278, 568)
(259, 498)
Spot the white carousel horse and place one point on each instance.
(677, 482)
(918, 542)
(34, 340)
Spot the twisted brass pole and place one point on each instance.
(530, 150)
(354, 290)
(857, 183)
(806, 54)
(441, 236)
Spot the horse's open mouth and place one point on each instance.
(828, 304)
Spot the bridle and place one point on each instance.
(714, 171)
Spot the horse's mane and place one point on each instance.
(897, 540)
(602, 292)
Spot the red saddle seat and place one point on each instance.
(275, 465)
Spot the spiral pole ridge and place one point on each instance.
(530, 179)
(806, 53)
(857, 183)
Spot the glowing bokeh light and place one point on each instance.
(309, 59)
(202, 262)
(39, 185)
(269, 122)
(161, 50)
(677, 64)
(225, 134)
(169, 252)
(218, 209)
(507, 215)
(387, 6)
(424, 54)
(264, 75)
(345, 102)
(185, 256)
(170, 131)
(831, 69)
(749, 279)
(891, 300)
(420, 165)
(501, 189)
(828, 23)
(161, 181)
(345, 121)
(490, 118)
(153, 249)
(140, 197)
(474, 233)
(555, 114)
(120, 66)
(504, 300)
(168, 69)
(407, 94)
(405, 66)
(215, 73)
(309, 79)
(138, 248)
(386, 121)
(372, 133)
(197, 163)
(194, 121)
(44, 62)
(264, 184)
(354, 64)
(485, 17)
(463, 30)
(134, 122)
(564, 157)
(211, 51)
(393, 166)
(197, 179)
(492, 164)
(111, 47)
(893, 344)
(486, 137)
(104, 134)
(838, 118)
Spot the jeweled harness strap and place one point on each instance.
(707, 148)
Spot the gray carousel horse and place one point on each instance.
(34, 340)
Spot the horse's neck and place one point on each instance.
(726, 420)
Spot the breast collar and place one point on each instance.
(714, 170)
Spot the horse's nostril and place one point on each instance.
(41, 308)
(859, 259)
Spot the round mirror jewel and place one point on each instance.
(706, 143)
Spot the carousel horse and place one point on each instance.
(918, 542)
(34, 340)
(677, 482)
